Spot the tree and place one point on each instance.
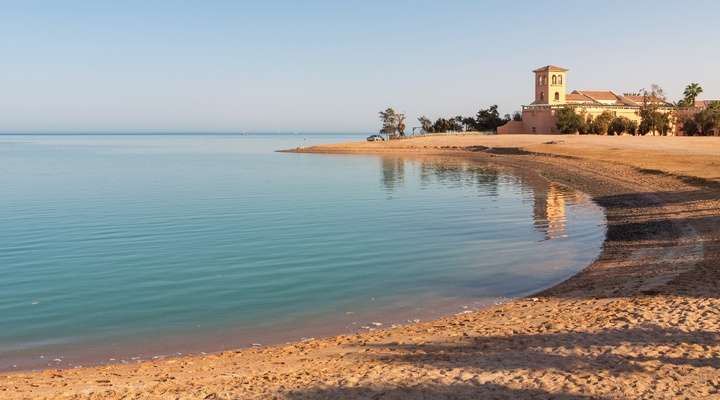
(517, 116)
(601, 124)
(708, 119)
(690, 127)
(632, 127)
(657, 92)
(456, 123)
(441, 125)
(586, 121)
(664, 123)
(426, 124)
(651, 119)
(691, 93)
(401, 124)
(469, 123)
(393, 122)
(619, 125)
(489, 119)
(568, 121)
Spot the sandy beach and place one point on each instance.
(642, 321)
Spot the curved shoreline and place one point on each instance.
(641, 321)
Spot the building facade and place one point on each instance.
(551, 94)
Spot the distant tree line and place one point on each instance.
(486, 119)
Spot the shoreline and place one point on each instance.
(640, 321)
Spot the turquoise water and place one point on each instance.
(124, 247)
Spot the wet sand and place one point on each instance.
(643, 321)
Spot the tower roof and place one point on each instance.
(550, 68)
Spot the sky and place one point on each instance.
(328, 66)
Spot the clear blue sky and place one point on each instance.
(328, 66)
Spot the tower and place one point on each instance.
(550, 85)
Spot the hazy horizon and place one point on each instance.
(326, 67)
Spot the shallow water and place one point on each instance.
(119, 247)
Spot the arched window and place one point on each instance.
(559, 79)
(542, 96)
(557, 96)
(554, 80)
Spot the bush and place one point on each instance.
(568, 121)
(619, 125)
(690, 127)
(601, 124)
(632, 127)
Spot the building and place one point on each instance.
(551, 94)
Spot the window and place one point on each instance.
(542, 95)
(554, 80)
(559, 79)
(557, 96)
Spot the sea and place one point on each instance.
(125, 247)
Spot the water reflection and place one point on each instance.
(550, 208)
(550, 200)
(393, 172)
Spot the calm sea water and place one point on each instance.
(115, 248)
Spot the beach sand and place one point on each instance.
(643, 321)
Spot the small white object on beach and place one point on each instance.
(535, 299)
(256, 345)
(377, 323)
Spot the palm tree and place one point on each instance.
(691, 92)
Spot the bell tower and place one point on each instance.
(550, 84)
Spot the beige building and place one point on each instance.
(551, 94)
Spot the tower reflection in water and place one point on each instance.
(550, 200)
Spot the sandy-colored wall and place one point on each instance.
(541, 120)
(511, 128)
